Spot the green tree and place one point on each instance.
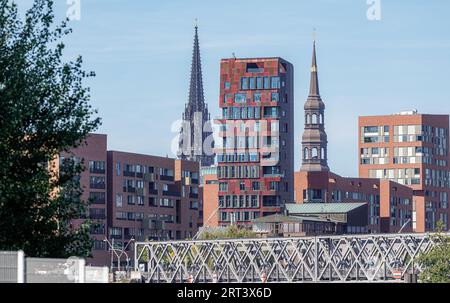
(436, 262)
(230, 232)
(44, 111)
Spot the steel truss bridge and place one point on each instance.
(370, 258)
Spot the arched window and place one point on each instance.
(308, 119)
(322, 153)
(306, 154)
(314, 153)
(321, 118)
(314, 119)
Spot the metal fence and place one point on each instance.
(375, 257)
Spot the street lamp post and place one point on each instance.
(119, 256)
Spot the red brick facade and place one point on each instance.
(410, 148)
(255, 164)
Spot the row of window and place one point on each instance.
(257, 97)
(260, 83)
(244, 216)
(254, 185)
(237, 157)
(134, 169)
(238, 171)
(97, 167)
(313, 153)
(242, 126)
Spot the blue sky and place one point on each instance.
(141, 53)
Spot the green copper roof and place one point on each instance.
(322, 208)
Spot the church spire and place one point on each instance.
(314, 82)
(314, 140)
(193, 132)
(196, 97)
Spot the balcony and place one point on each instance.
(171, 193)
(166, 178)
(152, 191)
(149, 177)
(97, 185)
(129, 173)
(97, 216)
(97, 171)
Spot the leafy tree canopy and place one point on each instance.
(44, 111)
(436, 263)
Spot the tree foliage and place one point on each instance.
(229, 232)
(436, 263)
(44, 111)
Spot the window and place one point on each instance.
(117, 168)
(131, 200)
(166, 203)
(252, 83)
(239, 98)
(259, 83)
(275, 97)
(152, 202)
(257, 97)
(97, 197)
(97, 182)
(227, 85)
(275, 82)
(244, 83)
(255, 185)
(242, 185)
(97, 167)
(120, 215)
(119, 200)
(306, 154)
(223, 186)
(266, 83)
(314, 153)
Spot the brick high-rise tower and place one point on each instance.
(196, 140)
(255, 164)
(314, 140)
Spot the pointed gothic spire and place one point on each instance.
(196, 98)
(314, 82)
(195, 114)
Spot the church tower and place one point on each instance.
(314, 140)
(196, 140)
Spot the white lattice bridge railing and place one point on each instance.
(374, 257)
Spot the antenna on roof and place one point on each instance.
(234, 55)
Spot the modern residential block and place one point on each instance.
(255, 162)
(411, 149)
(137, 196)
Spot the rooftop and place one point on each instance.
(323, 208)
(279, 218)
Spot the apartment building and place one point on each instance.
(411, 149)
(255, 162)
(136, 196)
